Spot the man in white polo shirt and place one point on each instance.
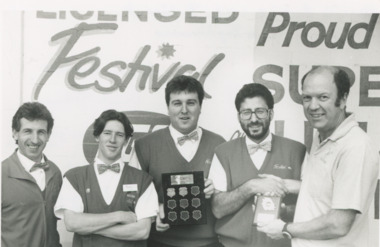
(339, 177)
(108, 203)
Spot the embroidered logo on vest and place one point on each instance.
(281, 167)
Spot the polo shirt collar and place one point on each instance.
(343, 128)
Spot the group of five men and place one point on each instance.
(113, 203)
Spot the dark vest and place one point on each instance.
(158, 154)
(27, 214)
(84, 181)
(284, 160)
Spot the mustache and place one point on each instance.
(254, 124)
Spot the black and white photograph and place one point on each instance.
(190, 125)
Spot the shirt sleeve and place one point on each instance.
(68, 198)
(134, 161)
(355, 178)
(218, 175)
(147, 204)
(304, 164)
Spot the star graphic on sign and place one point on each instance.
(166, 50)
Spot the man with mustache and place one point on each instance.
(258, 163)
(108, 203)
(181, 147)
(340, 174)
(30, 182)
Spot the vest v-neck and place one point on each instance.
(266, 159)
(97, 186)
(173, 146)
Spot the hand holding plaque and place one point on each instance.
(267, 208)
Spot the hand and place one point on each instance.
(209, 188)
(273, 229)
(269, 185)
(126, 217)
(160, 226)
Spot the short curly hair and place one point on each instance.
(32, 111)
(252, 90)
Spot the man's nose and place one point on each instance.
(34, 137)
(314, 104)
(184, 108)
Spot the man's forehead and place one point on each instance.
(183, 94)
(33, 122)
(325, 73)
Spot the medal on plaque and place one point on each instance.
(170, 192)
(184, 200)
(267, 208)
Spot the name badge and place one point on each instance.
(129, 187)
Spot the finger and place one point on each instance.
(264, 175)
(208, 182)
(208, 195)
(270, 176)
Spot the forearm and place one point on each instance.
(225, 203)
(85, 223)
(134, 231)
(335, 224)
(293, 186)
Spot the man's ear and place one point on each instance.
(271, 114)
(343, 102)
(15, 135)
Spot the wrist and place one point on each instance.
(252, 188)
(285, 232)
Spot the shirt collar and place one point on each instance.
(343, 128)
(26, 162)
(99, 161)
(176, 134)
(250, 142)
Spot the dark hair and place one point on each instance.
(252, 90)
(184, 83)
(341, 80)
(108, 115)
(32, 111)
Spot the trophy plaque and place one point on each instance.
(184, 199)
(267, 208)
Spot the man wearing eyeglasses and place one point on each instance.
(258, 163)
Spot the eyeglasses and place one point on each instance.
(259, 113)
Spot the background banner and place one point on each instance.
(80, 63)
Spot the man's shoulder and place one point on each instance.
(287, 142)
(213, 136)
(230, 144)
(136, 172)
(152, 136)
(77, 171)
(8, 163)
(54, 167)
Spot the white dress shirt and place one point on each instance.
(38, 174)
(217, 173)
(69, 198)
(187, 150)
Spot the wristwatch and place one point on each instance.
(285, 232)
